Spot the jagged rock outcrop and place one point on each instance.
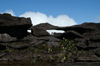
(85, 29)
(41, 29)
(70, 35)
(39, 32)
(46, 26)
(14, 26)
(87, 35)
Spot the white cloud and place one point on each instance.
(37, 18)
(61, 20)
(10, 12)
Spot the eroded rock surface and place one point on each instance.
(14, 26)
(16, 44)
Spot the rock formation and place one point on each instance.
(14, 26)
(40, 29)
(16, 44)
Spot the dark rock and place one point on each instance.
(46, 26)
(85, 29)
(14, 45)
(41, 29)
(81, 43)
(95, 38)
(58, 35)
(50, 41)
(6, 38)
(94, 45)
(2, 54)
(17, 56)
(49, 38)
(39, 32)
(86, 37)
(78, 28)
(92, 58)
(97, 52)
(37, 43)
(53, 44)
(71, 35)
(6, 20)
(18, 47)
(79, 64)
(14, 26)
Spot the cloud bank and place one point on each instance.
(38, 17)
(10, 12)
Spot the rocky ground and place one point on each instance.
(78, 45)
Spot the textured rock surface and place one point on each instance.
(14, 26)
(39, 32)
(6, 38)
(6, 20)
(46, 26)
(97, 52)
(41, 29)
(92, 58)
(79, 64)
(16, 44)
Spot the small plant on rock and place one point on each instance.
(68, 47)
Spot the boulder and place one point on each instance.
(71, 35)
(14, 26)
(46, 26)
(37, 43)
(95, 38)
(97, 52)
(86, 35)
(6, 38)
(7, 20)
(2, 54)
(85, 29)
(16, 56)
(13, 46)
(53, 44)
(41, 29)
(47, 40)
(39, 32)
(58, 35)
(92, 58)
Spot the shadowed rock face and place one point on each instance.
(14, 26)
(41, 29)
(85, 29)
(86, 35)
(36, 31)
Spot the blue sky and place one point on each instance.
(74, 11)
